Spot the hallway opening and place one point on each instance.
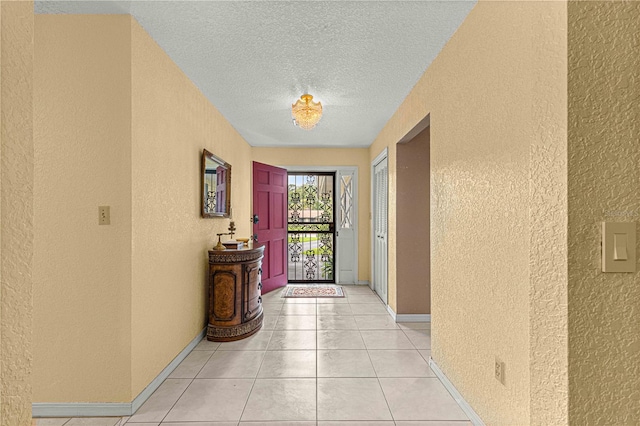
(413, 222)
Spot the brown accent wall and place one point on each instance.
(413, 257)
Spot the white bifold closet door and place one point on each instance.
(380, 215)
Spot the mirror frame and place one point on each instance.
(206, 155)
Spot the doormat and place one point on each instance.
(313, 291)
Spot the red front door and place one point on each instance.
(270, 205)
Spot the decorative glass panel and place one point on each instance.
(346, 201)
(310, 227)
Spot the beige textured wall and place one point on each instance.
(604, 185)
(117, 123)
(172, 123)
(16, 211)
(82, 271)
(480, 93)
(413, 223)
(333, 157)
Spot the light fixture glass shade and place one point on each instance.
(306, 113)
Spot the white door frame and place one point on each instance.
(336, 170)
(384, 154)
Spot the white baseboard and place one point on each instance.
(355, 283)
(413, 317)
(473, 416)
(155, 383)
(392, 313)
(80, 409)
(408, 317)
(112, 409)
(364, 282)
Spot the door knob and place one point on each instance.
(255, 219)
(255, 237)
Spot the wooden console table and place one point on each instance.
(235, 301)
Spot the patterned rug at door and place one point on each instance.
(314, 290)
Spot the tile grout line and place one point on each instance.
(410, 341)
(378, 378)
(205, 363)
(181, 395)
(381, 388)
(257, 372)
(190, 383)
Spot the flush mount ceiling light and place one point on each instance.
(306, 113)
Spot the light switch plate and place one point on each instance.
(618, 247)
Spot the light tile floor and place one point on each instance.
(324, 362)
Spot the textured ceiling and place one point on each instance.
(253, 59)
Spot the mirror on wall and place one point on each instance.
(216, 186)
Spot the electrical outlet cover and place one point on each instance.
(104, 215)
